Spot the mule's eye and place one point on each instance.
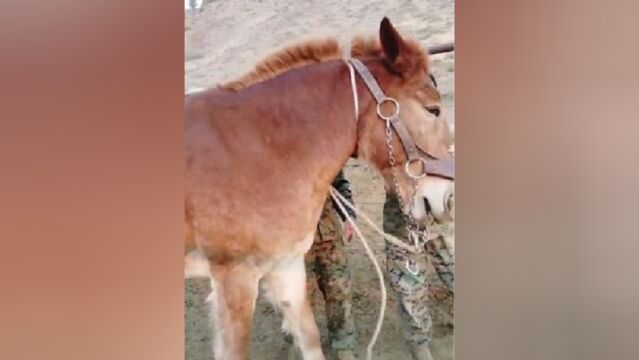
(435, 110)
(432, 79)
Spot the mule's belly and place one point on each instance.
(235, 231)
(226, 247)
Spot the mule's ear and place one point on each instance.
(395, 49)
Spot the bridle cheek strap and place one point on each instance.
(434, 166)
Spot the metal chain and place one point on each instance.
(417, 237)
(392, 162)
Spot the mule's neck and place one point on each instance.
(314, 106)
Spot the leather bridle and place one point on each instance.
(431, 165)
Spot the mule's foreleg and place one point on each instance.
(286, 288)
(234, 291)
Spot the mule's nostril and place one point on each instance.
(427, 205)
(449, 203)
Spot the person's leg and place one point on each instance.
(442, 257)
(412, 294)
(411, 289)
(440, 281)
(334, 281)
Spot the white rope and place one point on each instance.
(390, 238)
(354, 88)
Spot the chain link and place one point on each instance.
(417, 236)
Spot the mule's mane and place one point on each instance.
(309, 52)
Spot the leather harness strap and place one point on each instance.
(439, 167)
(380, 98)
(369, 80)
(444, 168)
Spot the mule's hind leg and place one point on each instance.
(286, 288)
(234, 291)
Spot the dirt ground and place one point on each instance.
(222, 41)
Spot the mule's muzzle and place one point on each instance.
(440, 203)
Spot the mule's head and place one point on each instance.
(401, 69)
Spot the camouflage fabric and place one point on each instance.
(326, 261)
(427, 297)
(327, 266)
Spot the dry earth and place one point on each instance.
(222, 41)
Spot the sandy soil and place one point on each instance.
(223, 41)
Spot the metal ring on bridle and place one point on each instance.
(393, 114)
(415, 176)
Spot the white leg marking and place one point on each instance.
(286, 288)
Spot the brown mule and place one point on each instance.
(261, 153)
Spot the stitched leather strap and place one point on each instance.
(406, 139)
(369, 80)
(444, 168)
